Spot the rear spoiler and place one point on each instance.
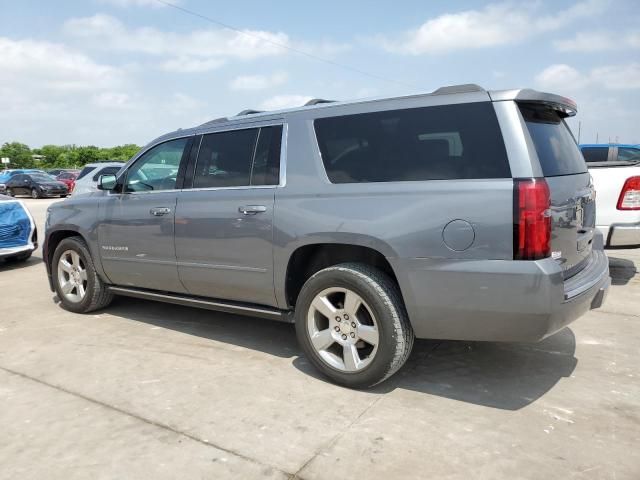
(564, 105)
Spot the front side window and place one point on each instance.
(158, 168)
(430, 143)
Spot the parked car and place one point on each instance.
(87, 181)
(54, 172)
(6, 175)
(462, 214)
(18, 233)
(37, 185)
(68, 178)
(616, 175)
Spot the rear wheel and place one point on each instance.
(75, 279)
(34, 193)
(352, 324)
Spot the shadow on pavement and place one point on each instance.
(8, 265)
(507, 376)
(621, 270)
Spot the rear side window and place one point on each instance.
(595, 154)
(266, 164)
(239, 158)
(628, 155)
(557, 150)
(225, 158)
(85, 171)
(431, 143)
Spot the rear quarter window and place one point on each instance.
(85, 171)
(628, 155)
(557, 150)
(595, 154)
(430, 143)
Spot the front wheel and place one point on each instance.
(75, 279)
(352, 324)
(10, 192)
(34, 193)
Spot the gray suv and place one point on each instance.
(461, 214)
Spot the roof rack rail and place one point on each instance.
(316, 101)
(248, 111)
(465, 88)
(214, 121)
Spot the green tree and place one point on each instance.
(18, 153)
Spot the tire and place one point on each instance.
(34, 193)
(63, 196)
(96, 295)
(381, 310)
(10, 193)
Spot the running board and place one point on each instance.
(200, 302)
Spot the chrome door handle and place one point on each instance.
(252, 209)
(159, 211)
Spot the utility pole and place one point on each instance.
(579, 129)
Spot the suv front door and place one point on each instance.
(224, 222)
(136, 222)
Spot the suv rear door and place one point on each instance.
(224, 222)
(572, 196)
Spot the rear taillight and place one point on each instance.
(630, 195)
(531, 220)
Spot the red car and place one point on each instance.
(68, 178)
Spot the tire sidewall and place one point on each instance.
(34, 193)
(79, 247)
(343, 276)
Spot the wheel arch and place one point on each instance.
(310, 258)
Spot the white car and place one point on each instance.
(616, 176)
(87, 181)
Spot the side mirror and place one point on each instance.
(106, 182)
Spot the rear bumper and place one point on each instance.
(622, 234)
(498, 300)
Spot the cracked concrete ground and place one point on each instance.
(147, 390)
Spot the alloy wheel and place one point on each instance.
(342, 329)
(72, 276)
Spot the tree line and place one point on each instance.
(63, 156)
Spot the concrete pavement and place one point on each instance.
(150, 390)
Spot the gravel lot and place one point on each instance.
(159, 391)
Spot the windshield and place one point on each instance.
(557, 150)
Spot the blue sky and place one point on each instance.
(108, 72)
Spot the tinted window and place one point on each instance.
(85, 171)
(225, 158)
(629, 155)
(266, 163)
(556, 148)
(105, 171)
(595, 154)
(157, 169)
(432, 143)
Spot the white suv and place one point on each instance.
(87, 181)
